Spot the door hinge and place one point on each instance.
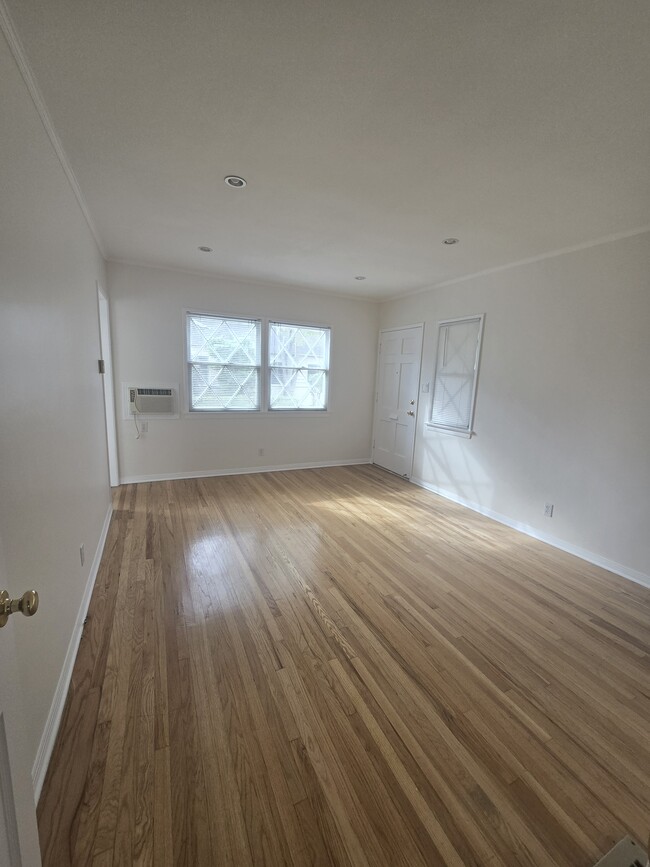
(101, 365)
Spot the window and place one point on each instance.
(223, 357)
(454, 388)
(298, 366)
(225, 366)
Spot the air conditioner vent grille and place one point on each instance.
(151, 400)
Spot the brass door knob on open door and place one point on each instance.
(27, 604)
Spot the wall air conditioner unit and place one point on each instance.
(151, 401)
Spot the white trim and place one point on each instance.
(467, 434)
(528, 530)
(53, 721)
(551, 254)
(15, 45)
(445, 323)
(237, 278)
(256, 413)
(108, 385)
(240, 471)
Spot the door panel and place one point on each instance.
(18, 831)
(396, 401)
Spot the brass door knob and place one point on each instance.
(27, 604)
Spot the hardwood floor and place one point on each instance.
(336, 667)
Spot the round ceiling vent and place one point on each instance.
(235, 181)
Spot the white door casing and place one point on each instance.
(396, 399)
(109, 394)
(18, 831)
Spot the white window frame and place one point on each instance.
(188, 364)
(263, 411)
(443, 325)
(270, 367)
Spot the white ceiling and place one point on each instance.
(367, 131)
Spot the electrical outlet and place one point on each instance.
(144, 426)
(548, 510)
(260, 452)
(82, 553)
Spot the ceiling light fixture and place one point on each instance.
(205, 249)
(450, 241)
(235, 181)
(359, 278)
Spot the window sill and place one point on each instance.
(259, 413)
(466, 434)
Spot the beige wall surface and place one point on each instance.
(563, 402)
(54, 492)
(147, 307)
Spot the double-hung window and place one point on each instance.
(299, 357)
(224, 363)
(454, 387)
(226, 373)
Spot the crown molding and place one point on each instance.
(249, 281)
(552, 254)
(16, 47)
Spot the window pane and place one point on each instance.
(298, 346)
(215, 387)
(217, 340)
(298, 389)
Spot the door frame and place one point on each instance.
(104, 317)
(421, 325)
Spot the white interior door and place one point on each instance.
(18, 832)
(396, 400)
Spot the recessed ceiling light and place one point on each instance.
(450, 241)
(235, 181)
(359, 278)
(205, 249)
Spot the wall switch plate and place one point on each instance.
(144, 426)
(260, 452)
(425, 388)
(548, 510)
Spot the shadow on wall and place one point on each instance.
(447, 464)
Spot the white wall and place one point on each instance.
(54, 491)
(563, 406)
(148, 327)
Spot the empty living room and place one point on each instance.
(325, 433)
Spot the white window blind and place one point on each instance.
(299, 357)
(224, 358)
(454, 388)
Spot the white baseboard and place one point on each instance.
(240, 471)
(583, 553)
(60, 694)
